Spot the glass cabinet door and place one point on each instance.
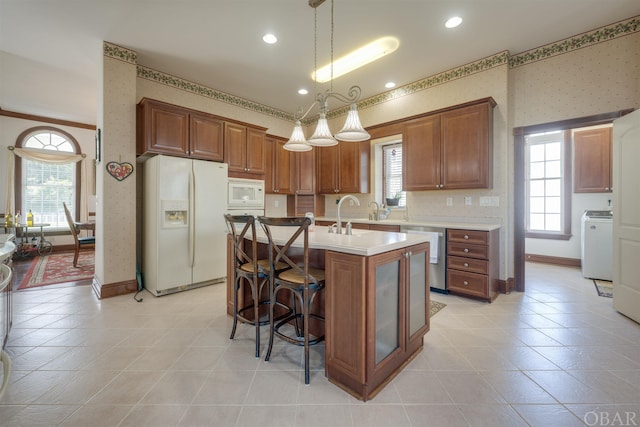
(387, 309)
(417, 291)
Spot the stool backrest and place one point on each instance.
(243, 230)
(280, 253)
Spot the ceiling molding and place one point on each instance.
(590, 38)
(586, 39)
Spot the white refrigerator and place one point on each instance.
(184, 232)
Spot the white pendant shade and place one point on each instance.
(297, 142)
(322, 137)
(353, 130)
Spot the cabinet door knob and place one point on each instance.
(465, 283)
(466, 237)
(466, 264)
(466, 250)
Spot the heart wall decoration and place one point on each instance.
(119, 170)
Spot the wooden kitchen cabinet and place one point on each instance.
(343, 168)
(450, 149)
(206, 137)
(592, 161)
(279, 174)
(305, 172)
(473, 259)
(169, 129)
(377, 315)
(244, 150)
(162, 128)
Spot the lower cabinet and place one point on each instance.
(376, 316)
(472, 263)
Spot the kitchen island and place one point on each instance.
(376, 303)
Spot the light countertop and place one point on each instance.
(439, 224)
(361, 242)
(7, 247)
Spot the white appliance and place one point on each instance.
(184, 228)
(245, 197)
(597, 245)
(245, 193)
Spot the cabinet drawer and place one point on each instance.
(469, 236)
(468, 283)
(468, 264)
(468, 250)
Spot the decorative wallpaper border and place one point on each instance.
(580, 41)
(117, 52)
(169, 80)
(589, 38)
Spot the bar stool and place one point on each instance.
(247, 267)
(303, 281)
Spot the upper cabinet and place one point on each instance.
(279, 175)
(450, 149)
(343, 168)
(592, 161)
(244, 150)
(169, 129)
(305, 172)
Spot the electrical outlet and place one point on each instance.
(351, 203)
(468, 200)
(489, 201)
(276, 203)
(449, 201)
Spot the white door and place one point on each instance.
(626, 215)
(209, 231)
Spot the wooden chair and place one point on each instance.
(79, 241)
(304, 283)
(248, 269)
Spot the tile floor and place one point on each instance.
(557, 355)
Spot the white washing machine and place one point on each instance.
(597, 245)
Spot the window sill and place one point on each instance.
(548, 236)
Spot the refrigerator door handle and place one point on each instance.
(192, 203)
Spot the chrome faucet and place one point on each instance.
(339, 222)
(376, 213)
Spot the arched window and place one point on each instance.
(42, 186)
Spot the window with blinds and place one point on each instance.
(45, 185)
(392, 172)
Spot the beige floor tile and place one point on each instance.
(435, 415)
(97, 415)
(268, 416)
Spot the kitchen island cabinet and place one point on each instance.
(376, 316)
(375, 303)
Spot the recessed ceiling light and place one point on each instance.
(269, 38)
(389, 85)
(356, 59)
(303, 91)
(453, 22)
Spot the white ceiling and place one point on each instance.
(50, 49)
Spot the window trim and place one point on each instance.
(567, 185)
(22, 138)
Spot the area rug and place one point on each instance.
(604, 288)
(435, 306)
(58, 268)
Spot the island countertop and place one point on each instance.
(455, 223)
(361, 242)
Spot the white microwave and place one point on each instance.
(245, 193)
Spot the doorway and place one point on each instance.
(519, 136)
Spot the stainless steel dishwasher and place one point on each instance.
(437, 266)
